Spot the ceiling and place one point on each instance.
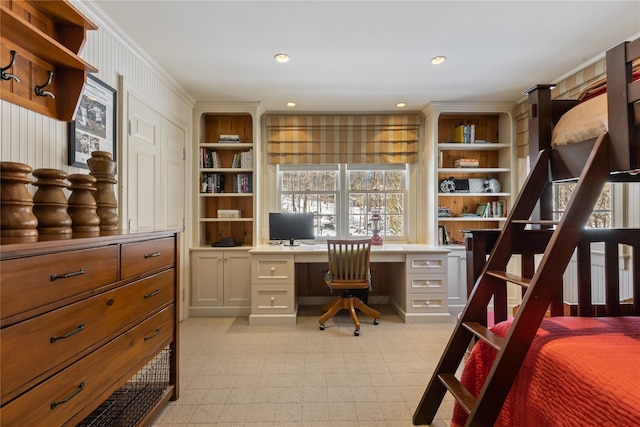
(366, 56)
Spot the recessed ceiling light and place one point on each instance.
(281, 57)
(401, 104)
(290, 104)
(438, 60)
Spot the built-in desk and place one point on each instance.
(418, 295)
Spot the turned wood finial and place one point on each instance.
(50, 202)
(103, 168)
(16, 203)
(82, 204)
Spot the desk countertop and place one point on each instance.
(314, 248)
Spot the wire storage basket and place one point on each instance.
(127, 405)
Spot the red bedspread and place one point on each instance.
(578, 372)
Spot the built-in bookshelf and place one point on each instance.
(473, 159)
(226, 178)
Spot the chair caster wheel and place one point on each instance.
(322, 326)
(376, 321)
(356, 332)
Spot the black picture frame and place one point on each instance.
(94, 124)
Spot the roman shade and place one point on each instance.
(353, 139)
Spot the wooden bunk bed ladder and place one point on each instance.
(539, 291)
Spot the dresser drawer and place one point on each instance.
(427, 303)
(272, 299)
(141, 257)
(59, 398)
(426, 283)
(32, 282)
(426, 263)
(270, 269)
(35, 346)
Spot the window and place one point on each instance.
(344, 197)
(601, 217)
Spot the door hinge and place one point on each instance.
(129, 127)
(184, 154)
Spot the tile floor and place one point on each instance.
(233, 374)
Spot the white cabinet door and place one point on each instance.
(237, 278)
(457, 281)
(207, 278)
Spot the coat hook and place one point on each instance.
(39, 88)
(8, 76)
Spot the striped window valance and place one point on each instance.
(354, 139)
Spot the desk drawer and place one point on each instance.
(270, 269)
(85, 380)
(32, 282)
(272, 299)
(35, 346)
(140, 257)
(426, 263)
(423, 283)
(427, 303)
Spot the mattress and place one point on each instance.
(578, 372)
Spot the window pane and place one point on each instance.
(308, 181)
(358, 225)
(395, 225)
(601, 216)
(357, 204)
(357, 180)
(375, 180)
(393, 180)
(327, 181)
(290, 181)
(395, 203)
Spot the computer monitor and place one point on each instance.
(291, 227)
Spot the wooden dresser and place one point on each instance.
(89, 328)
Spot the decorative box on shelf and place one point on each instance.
(228, 213)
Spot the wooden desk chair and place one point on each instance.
(348, 269)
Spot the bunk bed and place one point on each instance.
(557, 363)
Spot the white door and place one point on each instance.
(155, 169)
(143, 172)
(172, 175)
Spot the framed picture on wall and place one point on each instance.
(94, 126)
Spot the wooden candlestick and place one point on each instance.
(82, 204)
(103, 168)
(50, 203)
(16, 203)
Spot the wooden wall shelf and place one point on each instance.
(47, 36)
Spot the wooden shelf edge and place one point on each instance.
(38, 43)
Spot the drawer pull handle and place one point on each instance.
(75, 331)
(68, 398)
(152, 294)
(55, 277)
(153, 255)
(157, 331)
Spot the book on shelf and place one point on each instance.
(444, 212)
(465, 134)
(212, 182)
(443, 235)
(209, 158)
(228, 213)
(483, 210)
(466, 163)
(243, 160)
(243, 183)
